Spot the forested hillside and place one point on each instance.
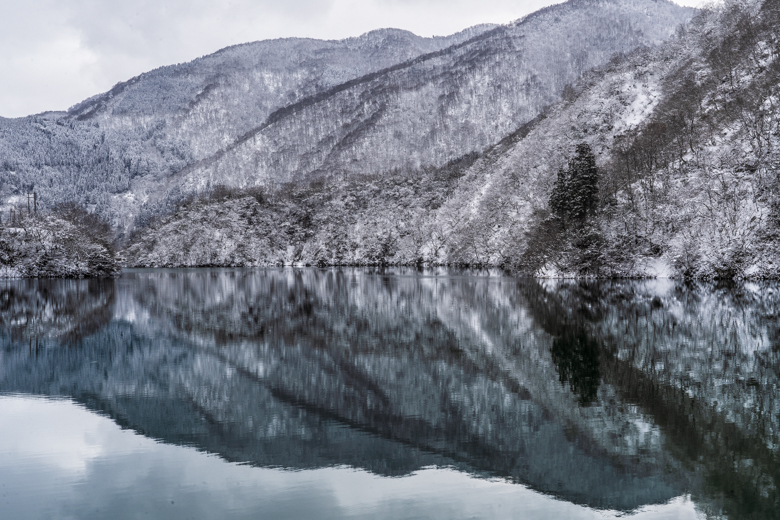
(111, 151)
(443, 105)
(684, 137)
(268, 113)
(68, 242)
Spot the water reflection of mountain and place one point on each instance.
(704, 362)
(59, 311)
(599, 395)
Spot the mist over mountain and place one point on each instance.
(267, 113)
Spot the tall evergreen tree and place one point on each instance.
(559, 198)
(574, 197)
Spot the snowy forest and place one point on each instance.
(595, 138)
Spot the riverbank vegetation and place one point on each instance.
(66, 242)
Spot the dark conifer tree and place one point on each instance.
(574, 197)
(559, 198)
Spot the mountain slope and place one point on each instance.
(686, 137)
(209, 102)
(245, 117)
(109, 150)
(442, 105)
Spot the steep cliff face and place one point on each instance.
(271, 112)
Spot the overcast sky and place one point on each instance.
(55, 53)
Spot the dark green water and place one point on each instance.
(361, 394)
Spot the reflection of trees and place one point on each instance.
(701, 361)
(390, 373)
(312, 368)
(575, 352)
(63, 311)
(576, 355)
(740, 473)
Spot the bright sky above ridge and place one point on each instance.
(55, 53)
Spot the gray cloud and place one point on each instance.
(54, 53)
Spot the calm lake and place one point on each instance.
(356, 393)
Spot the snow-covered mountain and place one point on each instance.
(685, 135)
(111, 151)
(688, 140)
(440, 106)
(197, 108)
(271, 112)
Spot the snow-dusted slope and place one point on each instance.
(201, 106)
(270, 112)
(442, 105)
(480, 214)
(687, 138)
(111, 150)
(487, 217)
(685, 134)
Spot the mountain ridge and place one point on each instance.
(133, 154)
(684, 135)
(291, 110)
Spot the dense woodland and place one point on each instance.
(465, 154)
(66, 242)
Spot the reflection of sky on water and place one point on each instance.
(59, 460)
